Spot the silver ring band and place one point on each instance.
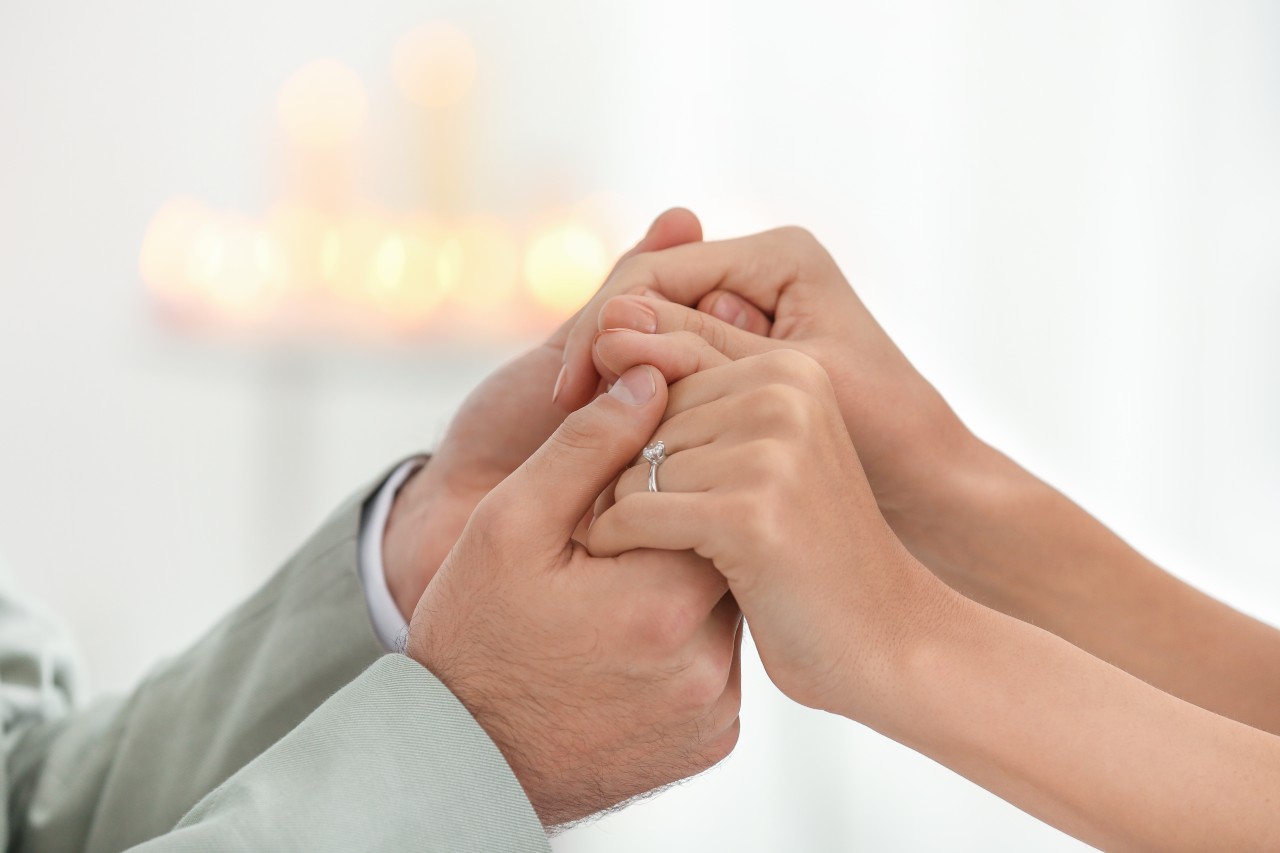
(655, 454)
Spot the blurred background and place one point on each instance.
(252, 253)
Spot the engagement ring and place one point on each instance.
(655, 454)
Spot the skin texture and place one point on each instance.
(500, 424)
(598, 678)
(762, 479)
(984, 525)
(758, 457)
(900, 424)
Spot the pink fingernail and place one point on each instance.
(555, 392)
(635, 387)
(632, 314)
(730, 310)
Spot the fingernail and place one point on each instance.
(633, 314)
(555, 392)
(730, 310)
(595, 344)
(635, 387)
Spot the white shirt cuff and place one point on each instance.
(388, 622)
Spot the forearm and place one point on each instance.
(1073, 740)
(1011, 542)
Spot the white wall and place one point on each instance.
(1066, 213)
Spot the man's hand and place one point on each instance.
(599, 679)
(503, 420)
(902, 427)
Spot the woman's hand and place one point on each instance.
(983, 524)
(910, 441)
(762, 479)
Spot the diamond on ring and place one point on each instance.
(655, 454)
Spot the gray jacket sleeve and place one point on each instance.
(224, 740)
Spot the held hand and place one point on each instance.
(599, 679)
(503, 420)
(762, 479)
(903, 429)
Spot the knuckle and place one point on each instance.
(691, 344)
(795, 237)
(763, 457)
(795, 367)
(646, 626)
(796, 234)
(708, 329)
(700, 685)
(495, 523)
(575, 434)
(783, 410)
(636, 274)
(666, 621)
(773, 474)
(718, 748)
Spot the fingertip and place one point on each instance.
(600, 355)
(674, 226)
(629, 311)
(637, 386)
(653, 294)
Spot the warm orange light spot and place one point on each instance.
(565, 265)
(434, 65)
(297, 234)
(227, 261)
(348, 249)
(387, 268)
(479, 263)
(206, 256)
(165, 248)
(272, 263)
(404, 278)
(323, 105)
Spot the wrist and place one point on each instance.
(420, 531)
(961, 490)
(913, 656)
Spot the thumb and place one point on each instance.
(560, 482)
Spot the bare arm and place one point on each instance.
(1008, 540)
(765, 482)
(1073, 740)
(984, 525)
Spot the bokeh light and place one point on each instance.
(163, 261)
(323, 106)
(335, 262)
(434, 65)
(481, 264)
(565, 264)
(232, 259)
(298, 233)
(405, 279)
